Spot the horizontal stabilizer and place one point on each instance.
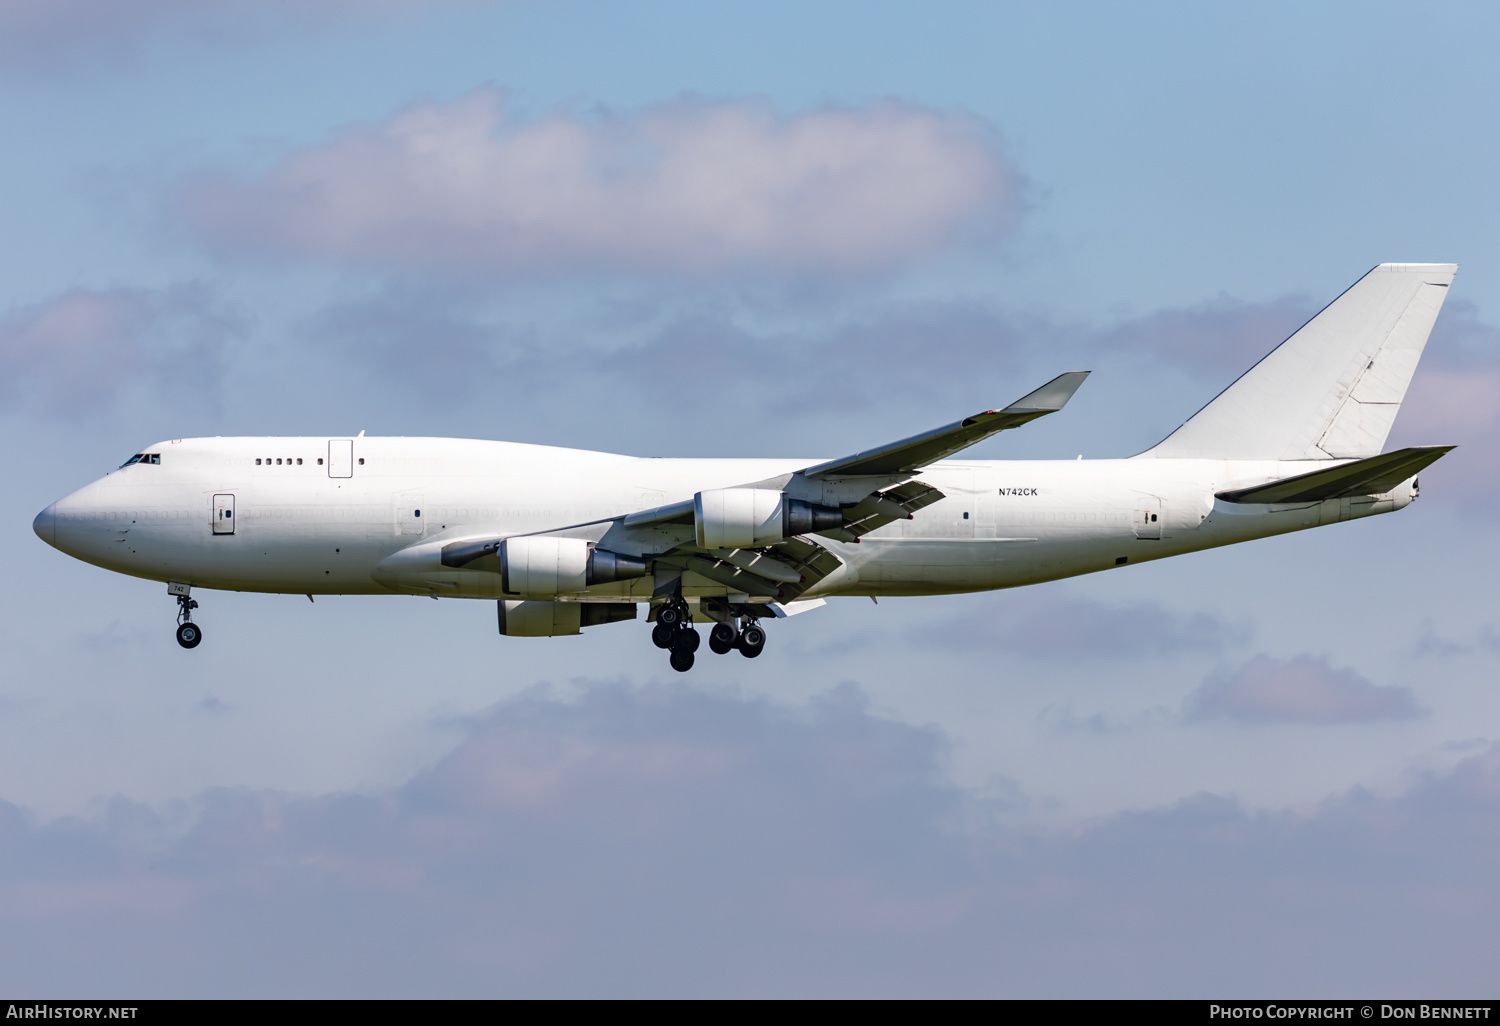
(1362, 477)
(914, 453)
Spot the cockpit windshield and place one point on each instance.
(142, 457)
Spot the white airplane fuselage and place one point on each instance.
(279, 515)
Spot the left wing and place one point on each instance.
(861, 485)
(839, 500)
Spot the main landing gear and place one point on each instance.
(188, 633)
(674, 630)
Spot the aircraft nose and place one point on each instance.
(45, 525)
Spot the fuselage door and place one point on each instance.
(409, 515)
(223, 514)
(1147, 518)
(341, 457)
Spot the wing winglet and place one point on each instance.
(1051, 397)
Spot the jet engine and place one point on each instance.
(738, 518)
(544, 567)
(532, 619)
(606, 567)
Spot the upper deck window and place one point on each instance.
(142, 457)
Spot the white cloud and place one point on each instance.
(1303, 689)
(687, 187)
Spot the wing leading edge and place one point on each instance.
(912, 454)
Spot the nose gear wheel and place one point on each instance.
(189, 634)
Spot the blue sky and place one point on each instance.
(757, 229)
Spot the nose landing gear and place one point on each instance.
(189, 634)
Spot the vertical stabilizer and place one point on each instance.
(1332, 390)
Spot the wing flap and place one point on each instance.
(808, 561)
(1362, 477)
(879, 508)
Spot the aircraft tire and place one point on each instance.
(687, 640)
(721, 638)
(662, 635)
(682, 661)
(189, 634)
(752, 641)
(670, 615)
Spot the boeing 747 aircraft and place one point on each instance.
(565, 539)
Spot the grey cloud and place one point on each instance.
(765, 388)
(707, 360)
(81, 350)
(32, 32)
(689, 188)
(904, 358)
(665, 842)
(1219, 339)
(1299, 690)
(59, 34)
(712, 353)
(1064, 719)
(1080, 628)
(1430, 643)
(429, 350)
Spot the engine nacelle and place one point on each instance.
(741, 518)
(539, 619)
(553, 619)
(544, 567)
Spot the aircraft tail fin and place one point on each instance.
(1332, 390)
